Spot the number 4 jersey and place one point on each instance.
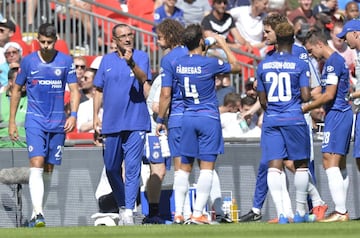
(281, 76)
(196, 77)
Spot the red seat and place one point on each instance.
(89, 59)
(34, 45)
(62, 46)
(106, 25)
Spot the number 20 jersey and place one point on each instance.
(281, 76)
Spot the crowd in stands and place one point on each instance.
(241, 23)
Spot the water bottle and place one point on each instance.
(164, 145)
(242, 123)
(227, 205)
(234, 211)
(209, 41)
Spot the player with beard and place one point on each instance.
(45, 74)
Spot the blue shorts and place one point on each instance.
(153, 151)
(356, 149)
(201, 136)
(280, 142)
(174, 136)
(337, 132)
(49, 145)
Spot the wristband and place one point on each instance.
(73, 114)
(131, 64)
(160, 120)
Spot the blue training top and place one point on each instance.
(124, 103)
(45, 86)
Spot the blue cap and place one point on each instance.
(350, 26)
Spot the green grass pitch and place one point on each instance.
(305, 230)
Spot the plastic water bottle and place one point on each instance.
(209, 41)
(227, 205)
(164, 145)
(234, 211)
(242, 123)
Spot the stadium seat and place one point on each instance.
(107, 26)
(79, 139)
(34, 45)
(89, 59)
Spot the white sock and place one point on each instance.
(336, 186)
(215, 195)
(187, 206)
(314, 195)
(181, 187)
(36, 187)
(287, 206)
(345, 176)
(203, 188)
(47, 183)
(301, 182)
(274, 181)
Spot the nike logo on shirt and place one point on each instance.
(34, 72)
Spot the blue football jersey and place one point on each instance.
(168, 80)
(45, 84)
(196, 77)
(281, 76)
(123, 96)
(336, 72)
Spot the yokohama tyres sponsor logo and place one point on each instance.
(53, 83)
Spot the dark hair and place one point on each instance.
(172, 30)
(12, 72)
(192, 36)
(314, 36)
(247, 100)
(284, 33)
(231, 99)
(48, 30)
(274, 19)
(120, 25)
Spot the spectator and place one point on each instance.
(230, 121)
(13, 53)
(80, 66)
(223, 87)
(330, 4)
(7, 30)
(168, 10)
(324, 17)
(278, 6)
(249, 22)
(47, 71)
(194, 10)
(335, 84)
(120, 83)
(33, 7)
(304, 10)
(351, 11)
(85, 112)
(231, 103)
(221, 22)
(250, 88)
(237, 3)
(5, 97)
